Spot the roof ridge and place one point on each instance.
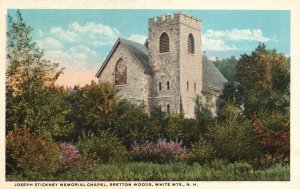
(124, 39)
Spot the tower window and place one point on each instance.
(168, 85)
(159, 86)
(194, 86)
(191, 45)
(120, 73)
(168, 108)
(187, 85)
(164, 43)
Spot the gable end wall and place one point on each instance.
(134, 90)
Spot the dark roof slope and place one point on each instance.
(212, 78)
(140, 52)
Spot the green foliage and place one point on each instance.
(190, 132)
(46, 113)
(104, 147)
(273, 119)
(133, 124)
(93, 108)
(32, 99)
(204, 111)
(201, 152)
(228, 112)
(173, 127)
(231, 93)
(264, 78)
(228, 67)
(30, 155)
(234, 141)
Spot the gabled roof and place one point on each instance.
(138, 51)
(212, 78)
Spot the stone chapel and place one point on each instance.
(168, 71)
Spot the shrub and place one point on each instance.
(190, 132)
(201, 152)
(269, 160)
(172, 127)
(234, 141)
(160, 152)
(68, 154)
(277, 142)
(30, 155)
(103, 148)
(133, 124)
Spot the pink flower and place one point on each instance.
(68, 153)
(160, 151)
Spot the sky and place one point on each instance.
(80, 40)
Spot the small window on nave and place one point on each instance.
(120, 73)
(168, 85)
(187, 85)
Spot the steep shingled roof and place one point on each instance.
(140, 52)
(212, 78)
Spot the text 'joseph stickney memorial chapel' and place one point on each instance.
(168, 71)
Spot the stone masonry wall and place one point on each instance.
(134, 90)
(165, 65)
(190, 64)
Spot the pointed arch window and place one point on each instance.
(120, 73)
(164, 43)
(191, 44)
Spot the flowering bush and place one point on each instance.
(160, 152)
(68, 154)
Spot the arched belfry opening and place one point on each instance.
(164, 43)
(191, 44)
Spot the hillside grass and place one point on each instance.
(138, 171)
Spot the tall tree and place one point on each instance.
(93, 108)
(264, 79)
(32, 99)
